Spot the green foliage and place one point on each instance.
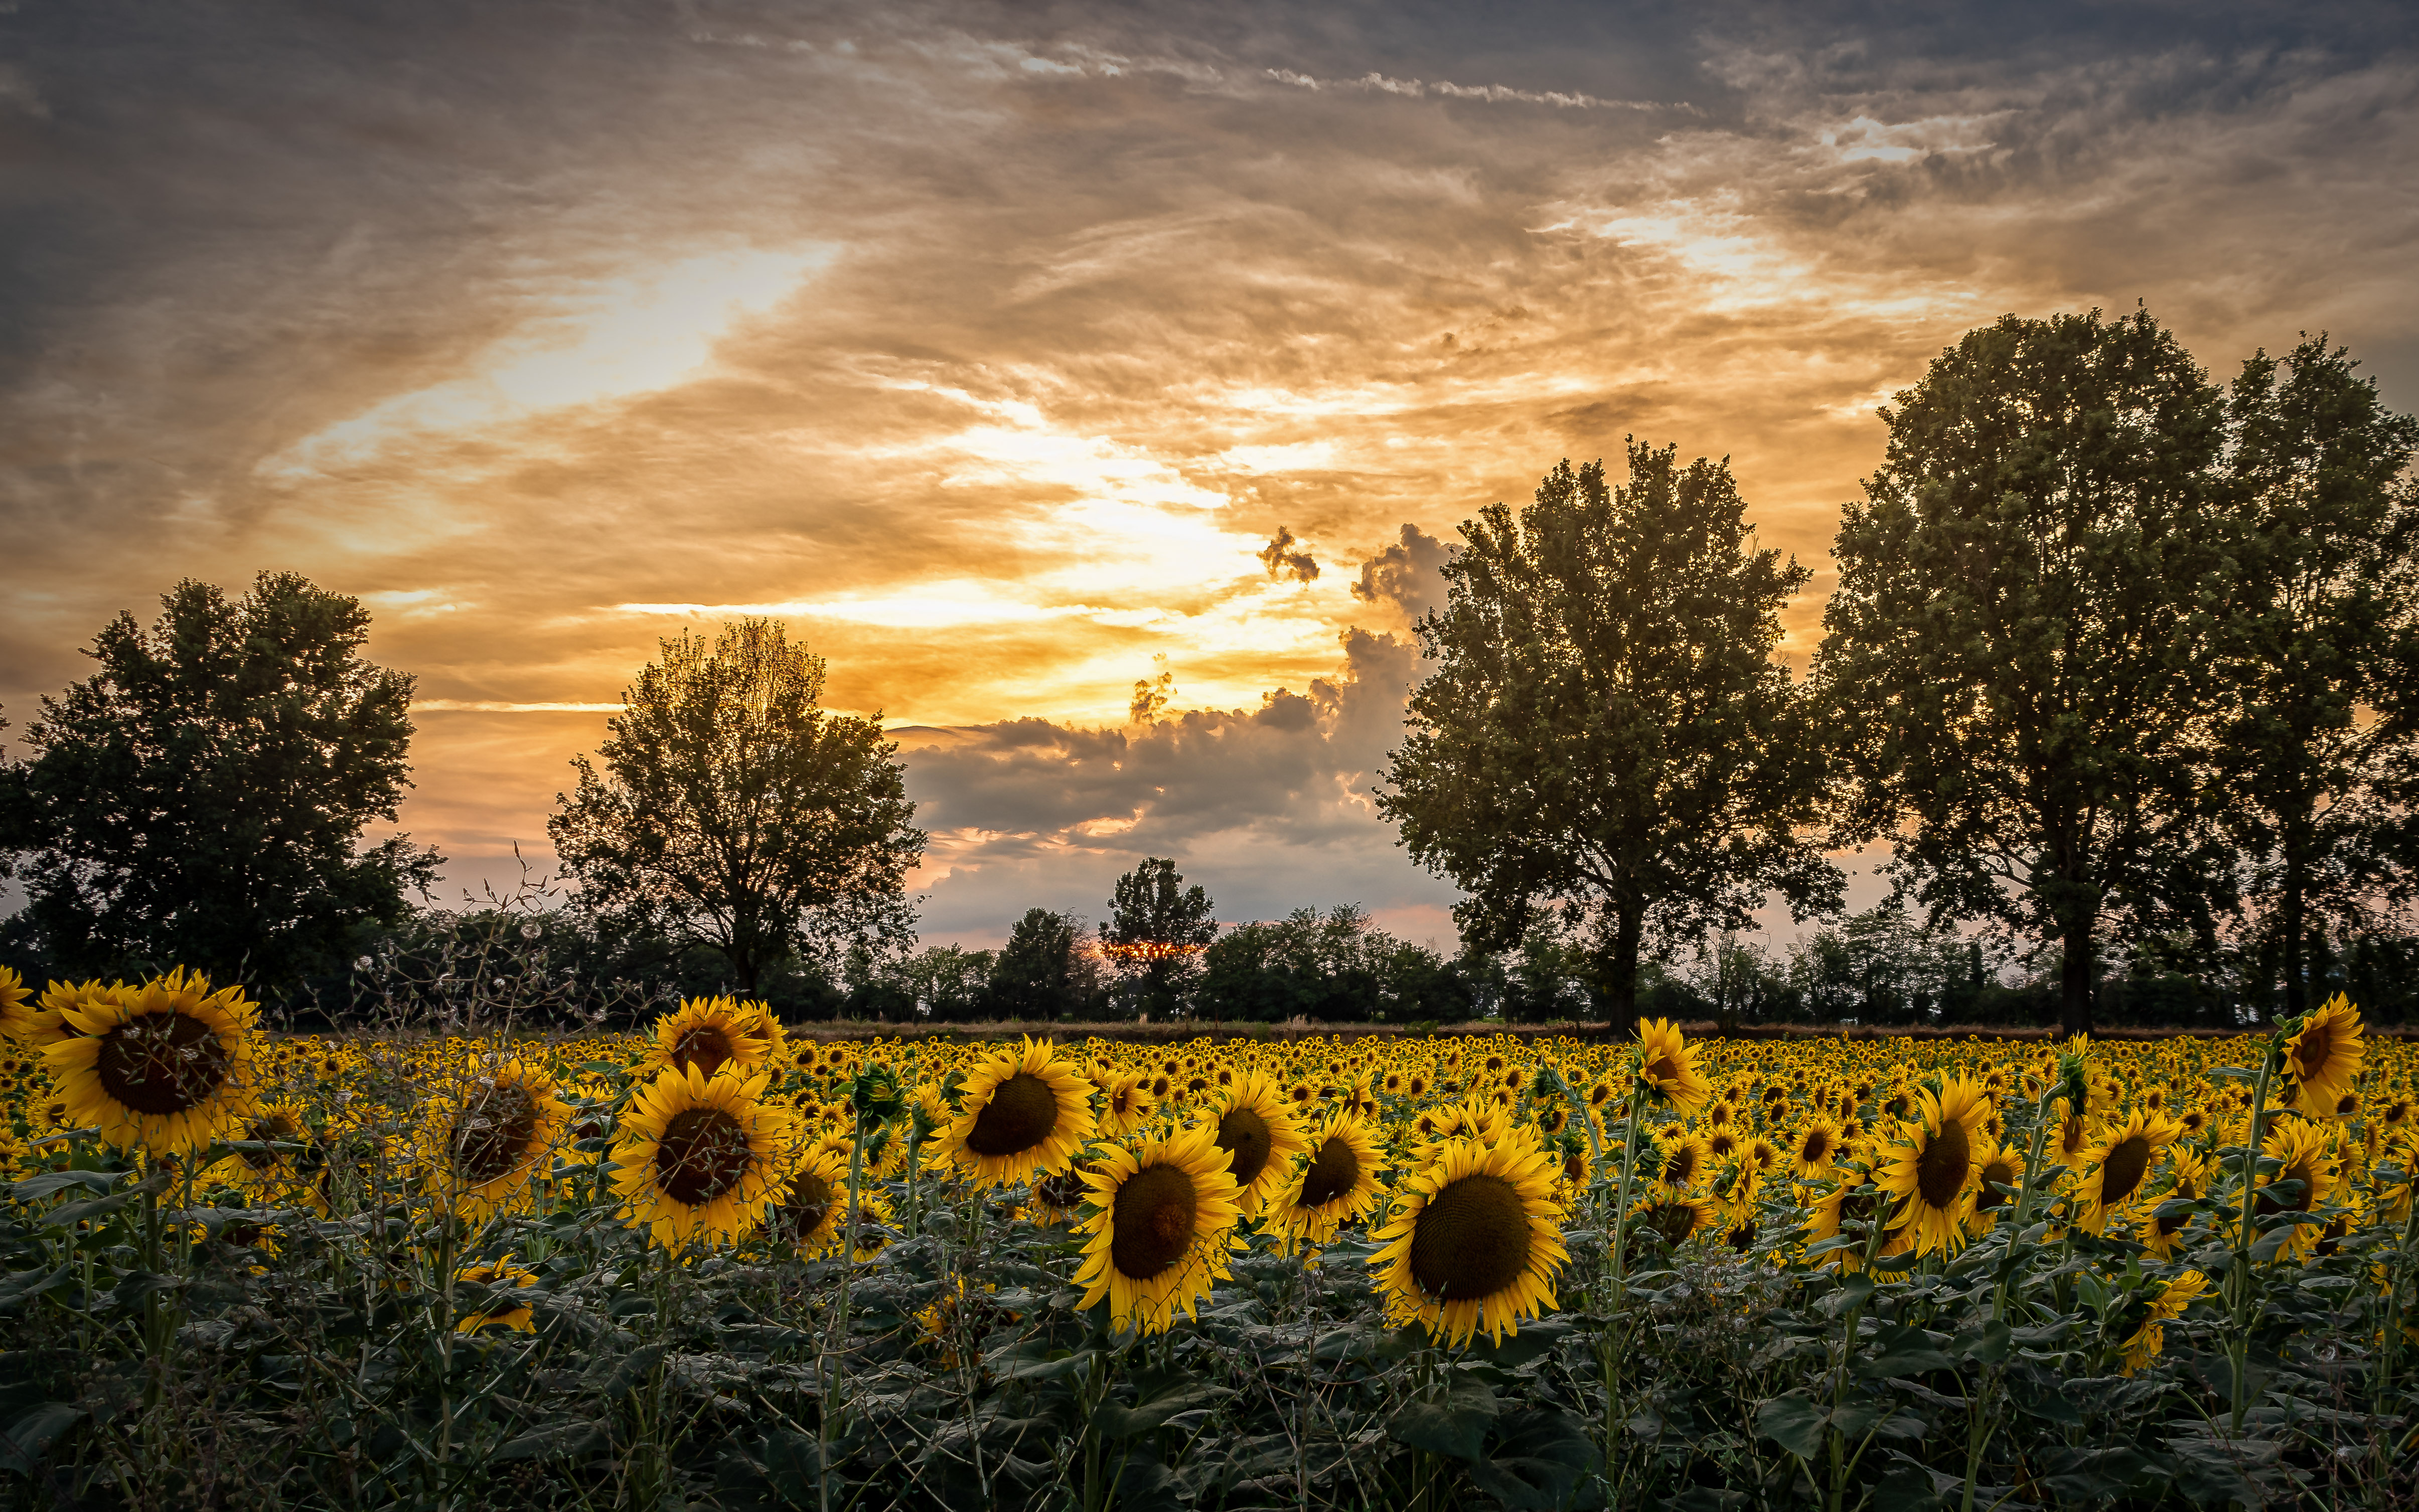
(1045, 971)
(200, 799)
(2019, 645)
(1607, 727)
(735, 812)
(2318, 748)
(1156, 932)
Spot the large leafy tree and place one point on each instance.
(2320, 736)
(734, 811)
(1045, 970)
(1157, 931)
(1609, 732)
(200, 799)
(2020, 645)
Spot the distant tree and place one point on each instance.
(2019, 645)
(1045, 970)
(200, 799)
(2319, 746)
(1156, 932)
(1609, 727)
(735, 812)
(949, 984)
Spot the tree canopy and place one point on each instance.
(1609, 729)
(1157, 929)
(2020, 647)
(201, 798)
(734, 811)
(2318, 748)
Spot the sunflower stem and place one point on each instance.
(1982, 1425)
(839, 1333)
(2238, 1286)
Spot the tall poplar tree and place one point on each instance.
(2020, 648)
(1608, 731)
(2320, 741)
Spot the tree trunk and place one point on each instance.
(1617, 979)
(2075, 976)
(2296, 919)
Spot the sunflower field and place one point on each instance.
(724, 1264)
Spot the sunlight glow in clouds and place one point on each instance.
(636, 332)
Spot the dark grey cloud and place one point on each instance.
(1269, 807)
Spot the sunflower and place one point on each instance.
(1852, 1200)
(499, 1274)
(272, 1175)
(1336, 1185)
(2157, 1234)
(2304, 1152)
(16, 1019)
(2172, 1300)
(1936, 1164)
(712, 1032)
(2122, 1162)
(2002, 1166)
(1673, 1218)
(165, 1067)
(813, 1202)
(1163, 1222)
(1667, 1067)
(1059, 1199)
(700, 1157)
(1026, 1111)
(1125, 1103)
(488, 1136)
(1677, 1160)
(1261, 1138)
(1475, 1241)
(2324, 1057)
(1812, 1148)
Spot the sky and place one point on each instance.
(1011, 354)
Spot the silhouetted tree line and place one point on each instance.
(2121, 670)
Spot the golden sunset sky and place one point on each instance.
(991, 346)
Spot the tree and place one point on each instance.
(200, 799)
(1157, 929)
(1045, 970)
(2017, 645)
(1607, 727)
(735, 812)
(2319, 737)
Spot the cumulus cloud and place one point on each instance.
(1269, 807)
(1283, 561)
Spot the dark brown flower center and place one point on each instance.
(703, 1046)
(1817, 1143)
(277, 1129)
(1244, 1134)
(2120, 1174)
(1154, 1219)
(1947, 1160)
(1022, 1112)
(1674, 1221)
(2313, 1050)
(703, 1152)
(1994, 1173)
(162, 1063)
(1064, 1191)
(1334, 1172)
(1472, 1239)
(803, 1209)
(492, 1135)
